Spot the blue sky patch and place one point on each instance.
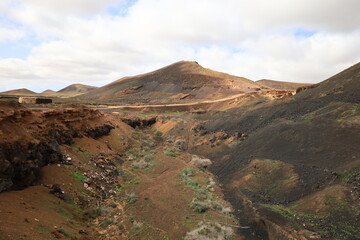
(121, 9)
(304, 33)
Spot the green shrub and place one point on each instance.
(199, 206)
(106, 223)
(63, 232)
(170, 153)
(96, 212)
(130, 198)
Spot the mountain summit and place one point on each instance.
(181, 80)
(77, 88)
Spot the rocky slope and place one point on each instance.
(298, 152)
(30, 140)
(180, 81)
(279, 85)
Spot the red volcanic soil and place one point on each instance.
(184, 81)
(77, 88)
(30, 139)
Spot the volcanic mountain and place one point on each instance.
(77, 88)
(179, 81)
(48, 92)
(279, 85)
(21, 91)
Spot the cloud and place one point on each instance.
(87, 41)
(10, 35)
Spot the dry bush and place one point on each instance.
(210, 231)
(141, 164)
(198, 162)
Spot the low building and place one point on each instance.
(34, 100)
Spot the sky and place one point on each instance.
(49, 44)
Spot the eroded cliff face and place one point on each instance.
(30, 139)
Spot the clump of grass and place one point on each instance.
(198, 162)
(203, 200)
(188, 172)
(106, 223)
(63, 232)
(79, 176)
(158, 133)
(142, 164)
(130, 198)
(96, 212)
(137, 226)
(210, 231)
(121, 227)
(169, 152)
(199, 206)
(112, 205)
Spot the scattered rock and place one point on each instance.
(56, 189)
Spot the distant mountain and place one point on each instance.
(77, 88)
(47, 92)
(181, 80)
(279, 85)
(21, 91)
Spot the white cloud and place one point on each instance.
(79, 41)
(10, 35)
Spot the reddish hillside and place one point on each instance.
(279, 85)
(77, 88)
(48, 92)
(178, 81)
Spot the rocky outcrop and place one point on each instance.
(140, 122)
(30, 140)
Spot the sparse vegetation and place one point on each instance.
(199, 206)
(142, 164)
(79, 176)
(204, 199)
(63, 232)
(210, 231)
(106, 223)
(130, 198)
(137, 226)
(96, 212)
(169, 152)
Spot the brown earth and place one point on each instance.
(77, 89)
(19, 92)
(279, 85)
(289, 165)
(30, 140)
(96, 175)
(181, 81)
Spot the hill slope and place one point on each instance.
(279, 85)
(77, 88)
(343, 87)
(21, 91)
(181, 80)
(297, 153)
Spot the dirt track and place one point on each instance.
(181, 106)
